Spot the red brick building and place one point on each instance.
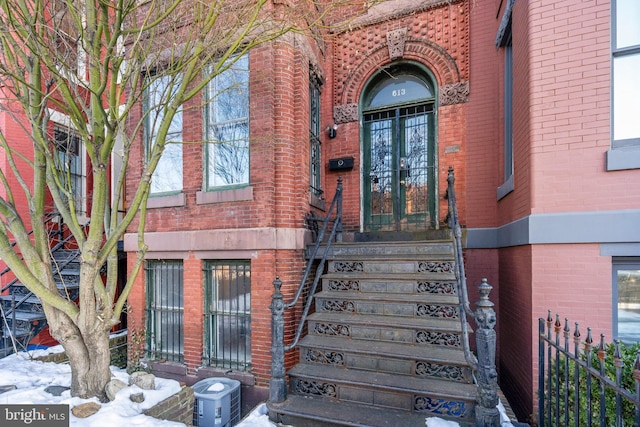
(529, 102)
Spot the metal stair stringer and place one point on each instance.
(24, 317)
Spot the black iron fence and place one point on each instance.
(582, 384)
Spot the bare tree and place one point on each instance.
(92, 63)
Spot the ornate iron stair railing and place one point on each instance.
(277, 384)
(15, 304)
(483, 366)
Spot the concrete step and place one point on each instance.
(27, 324)
(444, 269)
(401, 329)
(422, 361)
(26, 316)
(71, 283)
(63, 256)
(317, 412)
(434, 283)
(414, 395)
(427, 305)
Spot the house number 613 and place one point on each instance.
(399, 92)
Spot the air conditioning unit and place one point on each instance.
(217, 402)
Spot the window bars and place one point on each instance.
(228, 314)
(165, 310)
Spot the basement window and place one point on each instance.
(227, 314)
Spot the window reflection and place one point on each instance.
(167, 178)
(628, 304)
(227, 128)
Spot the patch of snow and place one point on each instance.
(31, 377)
(439, 422)
(259, 417)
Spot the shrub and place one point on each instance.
(561, 397)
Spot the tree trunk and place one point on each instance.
(89, 357)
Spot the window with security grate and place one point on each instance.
(165, 309)
(228, 314)
(315, 164)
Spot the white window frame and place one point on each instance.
(625, 95)
(630, 264)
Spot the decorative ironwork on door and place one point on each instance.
(399, 169)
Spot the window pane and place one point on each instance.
(379, 129)
(228, 126)
(228, 314)
(626, 97)
(165, 307)
(168, 174)
(228, 161)
(69, 163)
(627, 19)
(314, 140)
(167, 178)
(414, 124)
(399, 90)
(230, 90)
(628, 304)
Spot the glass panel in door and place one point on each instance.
(399, 175)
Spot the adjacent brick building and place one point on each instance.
(515, 96)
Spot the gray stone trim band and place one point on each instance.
(612, 227)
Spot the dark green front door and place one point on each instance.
(399, 168)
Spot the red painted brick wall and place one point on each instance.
(514, 316)
(570, 106)
(561, 93)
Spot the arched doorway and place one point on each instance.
(399, 150)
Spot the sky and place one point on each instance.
(31, 377)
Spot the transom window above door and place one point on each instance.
(400, 89)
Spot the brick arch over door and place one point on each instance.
(437, 59)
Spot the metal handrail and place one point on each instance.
(277, 385)
(336, 233)
(461, 279)
(49, 217)
(57, 246)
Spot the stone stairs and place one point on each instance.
(384, 346)
(28, 319)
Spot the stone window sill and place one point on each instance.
(222, 196)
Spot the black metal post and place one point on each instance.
(277, 384)
(541, 352)
(636, 377)
(487, 414)
(339, 210)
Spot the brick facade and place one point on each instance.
(561, 133)
(547, 244)
(242, 224)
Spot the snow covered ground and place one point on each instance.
(32, 377)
